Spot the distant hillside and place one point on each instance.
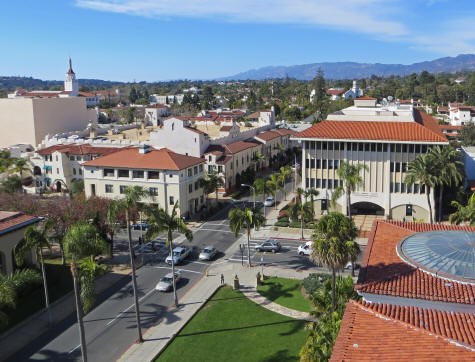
(12, 83)
(351, 70)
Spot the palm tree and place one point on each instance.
(9, 287)
(285, 174)
(330, 243)
(131, 199)
(248, 218)
(300, 210)
(81, 241)
(11, 184)
(464, 213)
(422, 170)
(161, 221)
(353, 253)
(211, 183)
(36, 240)
(449, 167)
(258, 158)
(350, 175)
(311, 193)
(262, 188)
(20, 166)
(274, 184)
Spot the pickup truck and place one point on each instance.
(179, 254)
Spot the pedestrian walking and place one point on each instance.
(222, 279)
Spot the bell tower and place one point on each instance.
(71, 83)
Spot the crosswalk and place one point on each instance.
(289, 247)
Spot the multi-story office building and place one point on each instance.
(169, 177)
(383, 138)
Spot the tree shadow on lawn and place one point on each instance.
(276, 290)
(243, 328)
(280, 356)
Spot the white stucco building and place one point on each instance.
(384, 139)
(168, 176)
(460, 114)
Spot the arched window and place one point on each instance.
(37, 171)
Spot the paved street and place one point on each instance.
(113, 320)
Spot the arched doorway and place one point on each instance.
(36, 171)
(366, 208)
(58, 186)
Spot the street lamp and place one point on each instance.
(253, 192)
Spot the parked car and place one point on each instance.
(74, 137)
(100, 138)
(208, 253)
(140, 226)
(269, 201)
(179, 254)
(269, 245)
(305, 249)
(166, 283)
(348, 266)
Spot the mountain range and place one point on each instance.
(352, 70)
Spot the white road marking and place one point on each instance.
(218, 231)
(131, 306)
(182, 270)
(75, 348)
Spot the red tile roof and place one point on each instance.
(335, 92)
(267, 136)
(162, 159)
(231, 148)
(86, 94)
(368, 335)
(384, 273)
(366, 98)
(424, 129)
(454, 325)
(78, 150)
(225, 128)
(14, 220)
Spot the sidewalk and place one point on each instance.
(158, 337)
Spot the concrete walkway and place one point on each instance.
(257, 298)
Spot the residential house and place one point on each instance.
(154, 114)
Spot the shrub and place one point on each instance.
(236, 195)
(314, 281)
(282, 223)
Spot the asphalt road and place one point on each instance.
(111, 327)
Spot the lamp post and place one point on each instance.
(253, 193)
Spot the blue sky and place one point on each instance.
(154, 40)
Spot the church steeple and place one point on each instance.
(71, 83)
(70, 71)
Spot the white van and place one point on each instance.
(305, 249)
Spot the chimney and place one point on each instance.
(143, 149)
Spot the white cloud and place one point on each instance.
(385, 20)
(364, 16)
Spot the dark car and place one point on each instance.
(269, 245)
(140, 226)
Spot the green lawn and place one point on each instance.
(230, 327)
(285, 292)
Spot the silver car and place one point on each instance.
(179, 254)
(208, 253)
(269, 245)
(166, 283)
